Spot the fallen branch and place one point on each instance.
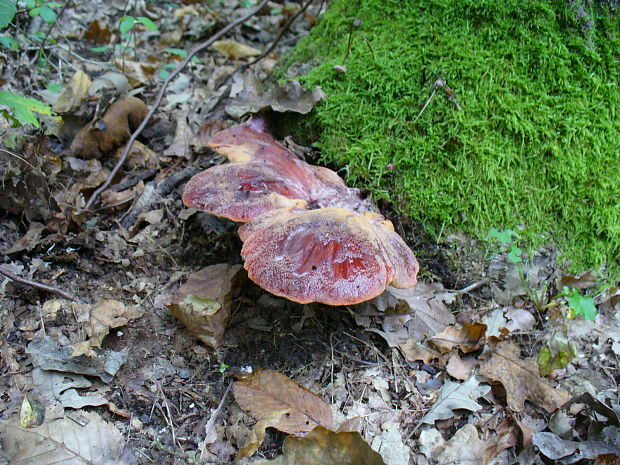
(160, 95)
(44, 287)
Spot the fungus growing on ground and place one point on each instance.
(264, 175)
(308, 237)
(329, 255)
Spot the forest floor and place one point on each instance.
(446, 372)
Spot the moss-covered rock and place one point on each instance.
(536, 143)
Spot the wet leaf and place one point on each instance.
(464, 448)
(235, 50)
(64, 441)
(203, 303)
(521, 379)
(264, 392)
(557, 354)
(455, 396)
(468, 337)
(324, 447)
(74, 94)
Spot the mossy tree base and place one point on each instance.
(536, 143)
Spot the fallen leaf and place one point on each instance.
(137, 72)
(391, 446)
(64, 441)
(32, 412)
(290, 96)
(47, 354)
(107, 314)
(464, 448)
(556, 448)
(235, 50)
(557, 353)
(468, 337)
(29, 240)
(72, 96)
(96, 33)
(324, 447)
(421, 310)
(521, 379)
(258, 433)
(457, 396)
(584, 281)
(519, 320)
(414, 351)
(203, 304)
(459, 368)
(266, 391)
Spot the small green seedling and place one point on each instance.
(43, 9)
(223, 367)
(127, 27)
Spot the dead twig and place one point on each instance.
(160, 96)
(43, 287)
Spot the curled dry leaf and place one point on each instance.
(264, 392)
(324, 447)
(329, 255)
(104, 136)
(235, 50)
(72, 96)
(203, 304)
(105, 315)
(521, 379)
(468, 337)
(584, 281)
(258, 433)
(459, 368)
(566, 452)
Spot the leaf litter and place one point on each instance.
(163, 336)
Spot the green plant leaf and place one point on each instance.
(126, 24)
(7, 12)
(55, 87)
(503, 236)
(30, 4)
(105, 48)
(24, 108)
(514, 255)
(48, 15)
(178, 52)
(9, 43)
(581, 305)
(146, 22)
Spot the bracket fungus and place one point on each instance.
(308, 237)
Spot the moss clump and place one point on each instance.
(536, 144)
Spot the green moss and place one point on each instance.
(536, 144)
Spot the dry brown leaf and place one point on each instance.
(468, 337)
(266, 391)
(460, 368)
(107, 314)
(584, 281)
(414, 351)
(235, 50)
(258, 433)
(324, 447)
(521, 379)
(73, 95)
(137, 72)
(203, 303)
(465, 447)
(29, 240)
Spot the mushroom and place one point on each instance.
(264, 175)
(307, 236)
(328, 255)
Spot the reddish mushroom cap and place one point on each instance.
(328, 255)
(262, 176)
